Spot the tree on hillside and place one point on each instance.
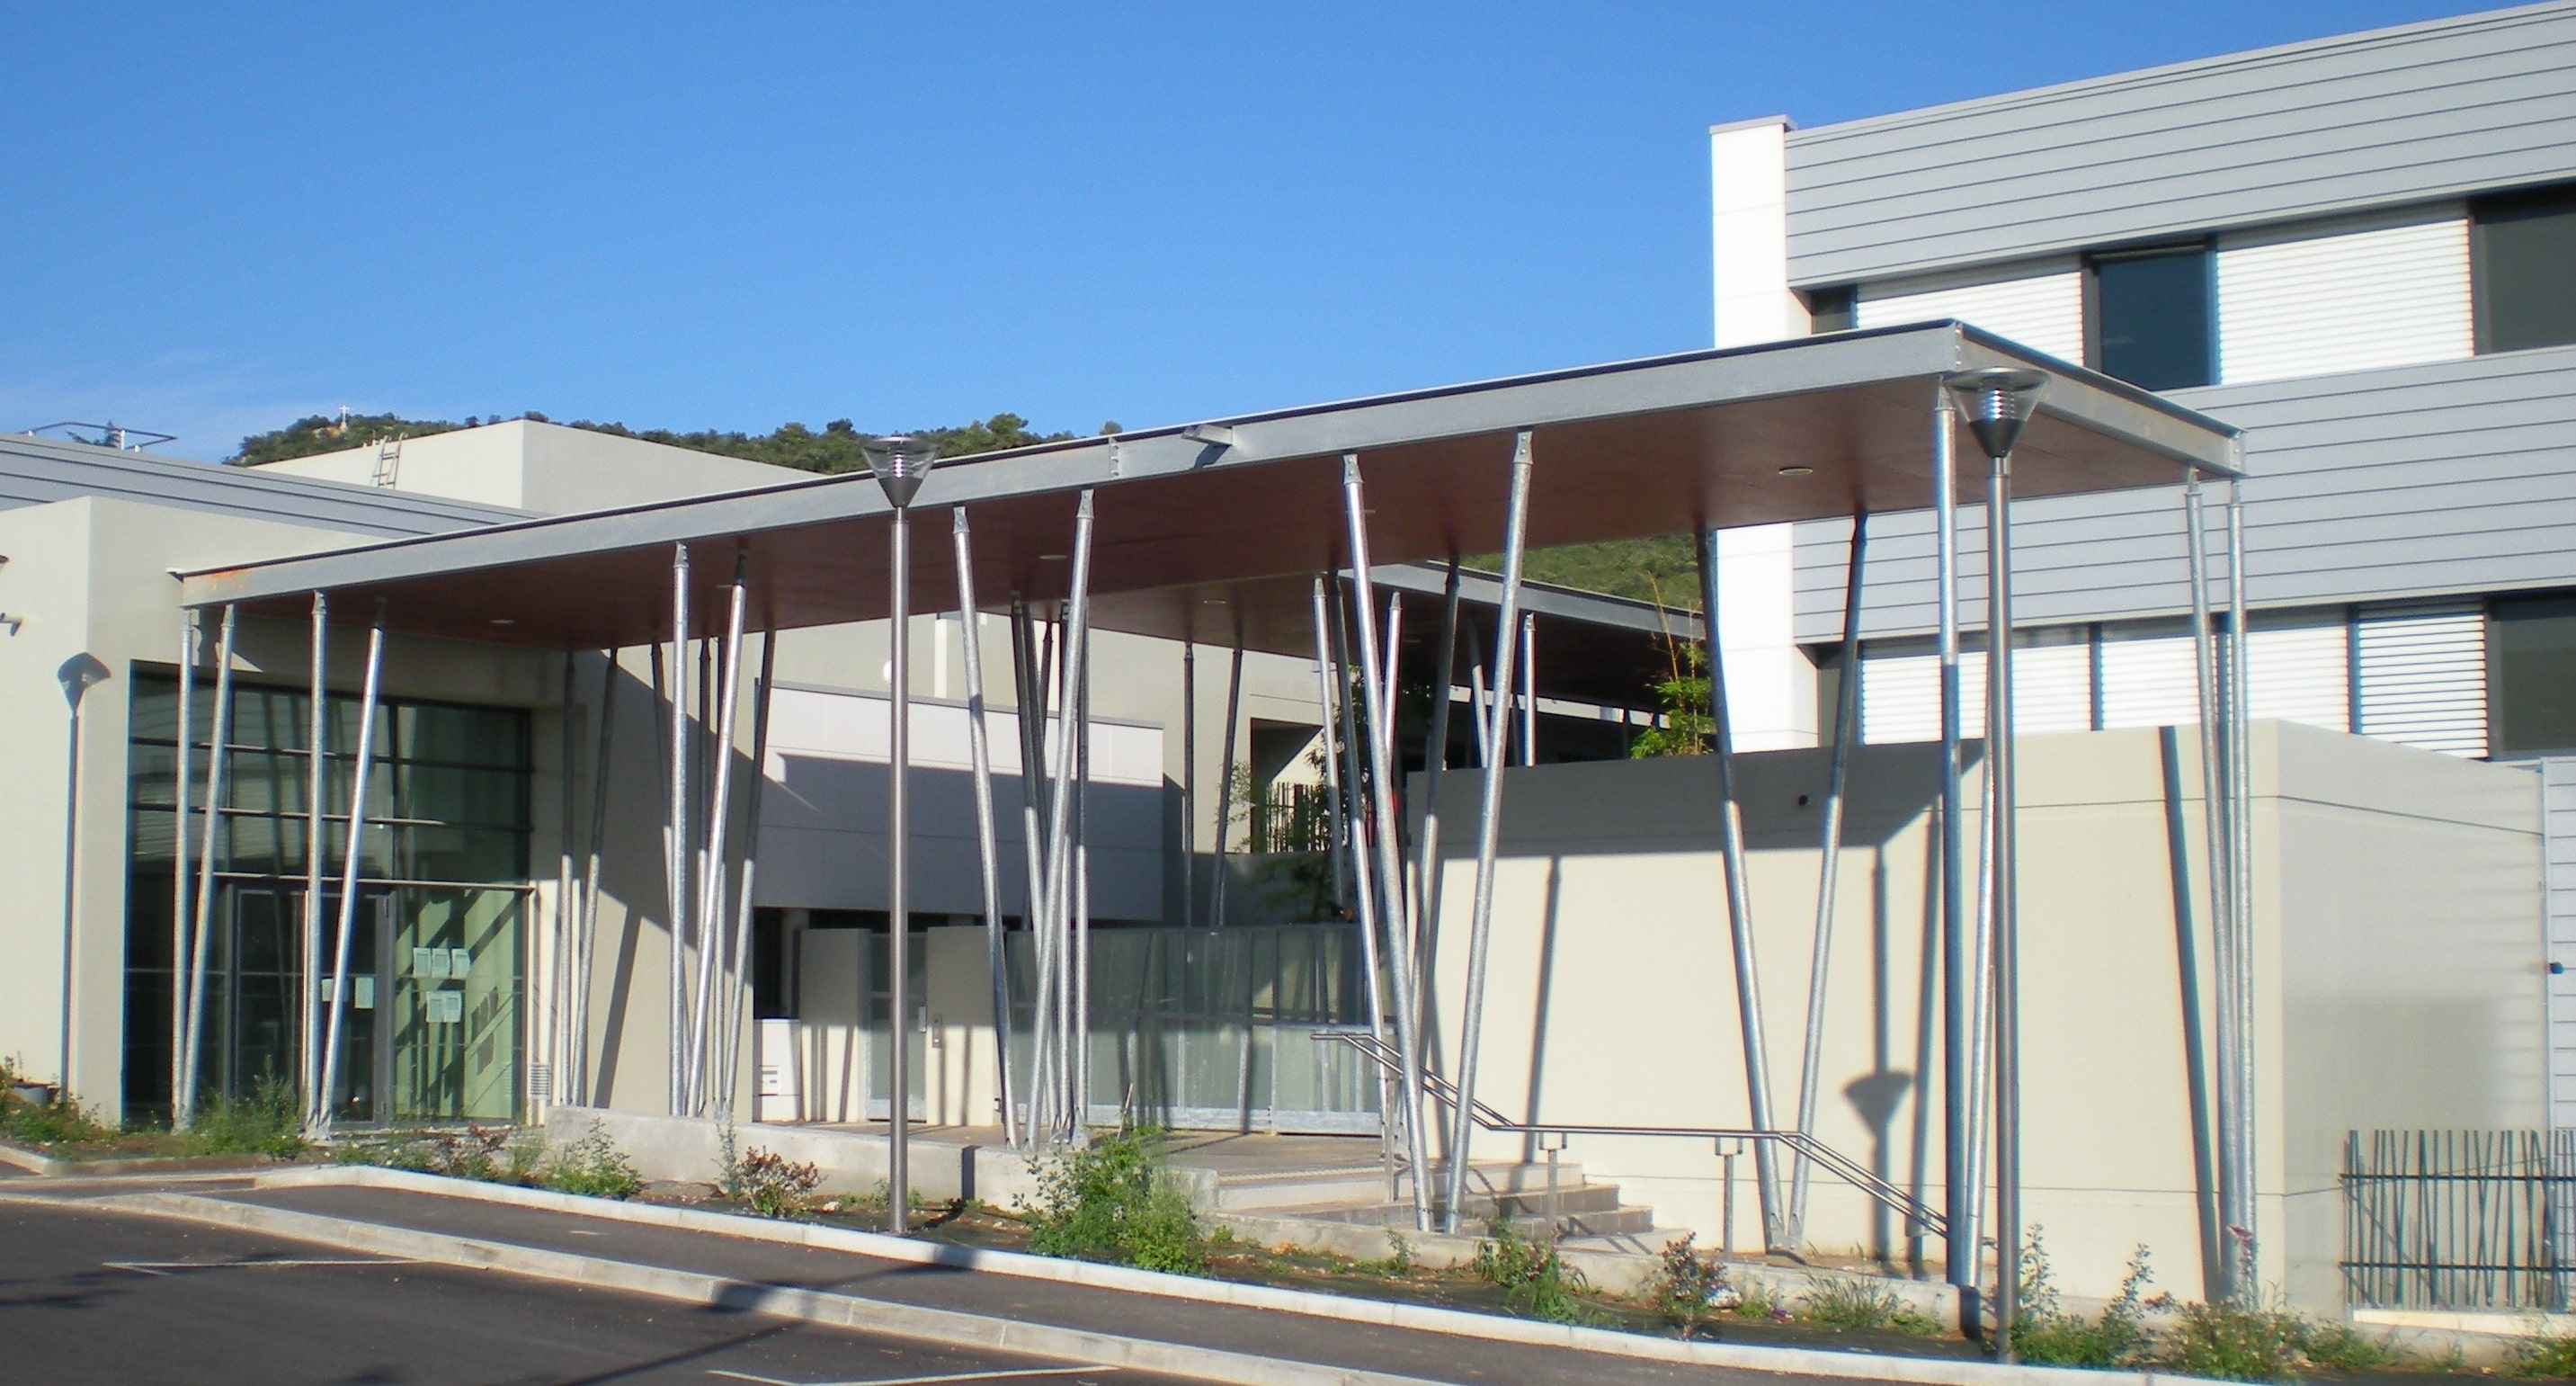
(834, 449)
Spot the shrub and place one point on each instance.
(2340, 1347)
(1397, 1264)
(46, 1125)
(1112, 1202)
(2044, 1334)
(2236, 1342)
(1687, 1288)
(1534, 1279)
(592, 1166)
(267, 1122)
(772, 1184)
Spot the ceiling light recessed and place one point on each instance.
(1797, 471)
(1050, 558)
(504, 621)
(1212, 601)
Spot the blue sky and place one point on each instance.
(223, 217)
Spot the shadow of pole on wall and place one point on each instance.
(2195, 1053)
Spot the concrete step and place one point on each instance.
(1589, 1212)
(1282, 1189)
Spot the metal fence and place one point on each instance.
(2459, 1219)
(1291, 818)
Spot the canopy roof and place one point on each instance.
(1213, 529)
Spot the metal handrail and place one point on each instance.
(1808, 1147)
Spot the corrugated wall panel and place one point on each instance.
(2416, 114)
(2423, 678)
(2042, 310)
(2348, 301)
(2558, 855)
(2416, 481)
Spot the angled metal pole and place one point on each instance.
(2240, 860)
(1390, 866)
(218, 758)
(1073, 867)
(979, 747)
(1225, 795)
(1529, 689)
(1350, 811)
(1489, 826)
(737, 990)
(1330, 700)
(898, 882)
(1481, 715)
(579, 1054)
(1435, 759)
(1030, 718)
(1739, 901)
(2001, 756)
(2215, 805)
(712, 898)
(678, 766)
(317, 765)
(1828, 875)
(338, 1003)
(563, 917)
(189, 633)
(1958, 951)
(1189, 781)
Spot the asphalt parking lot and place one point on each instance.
(91, 1296)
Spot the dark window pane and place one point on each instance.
(2152, 320)
(2526, 291)
(2534, 688)
(1831, 310)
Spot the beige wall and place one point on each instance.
(547, 468)
(2397, 978)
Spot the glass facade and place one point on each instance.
(436, 955)
(2150, 316)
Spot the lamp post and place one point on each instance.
(899, 462)
(1995, 403)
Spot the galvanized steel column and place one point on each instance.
(350, 861)
(317, 736)
(1846, 728)
(1489, 822)
(987, 851)
(218, 757)
(1390, 862)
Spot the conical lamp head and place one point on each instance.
(900, 461)
(1996, 402)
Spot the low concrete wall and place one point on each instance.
(852, 1162)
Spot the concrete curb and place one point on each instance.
(1821, 1362)
(942, 1326)
(49, 1167)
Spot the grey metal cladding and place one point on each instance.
(39, 471)
(2413, 114)
(2418, 481)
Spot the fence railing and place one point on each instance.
(2459, 1219)
(1291, 818)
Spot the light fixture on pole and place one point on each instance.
(1995, 403)
(899, 462)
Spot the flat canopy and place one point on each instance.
(1211, 528)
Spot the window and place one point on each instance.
(2523, 259)
(1832, 310)
(2532, 681)
(2150, 316)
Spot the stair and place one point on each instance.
(1513, 1193)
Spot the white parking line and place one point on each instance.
(917, 1380)
(172, 1267)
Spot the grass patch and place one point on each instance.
(1855, 1304)
(592, 1166)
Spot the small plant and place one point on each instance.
(1755, 1301)
(2045, 1334)
(1112, 1202)
(2550, 1356)
(2235, 1342)
(1853, 1304)
(1397, 1264)
(774, 1186)
(592, 1166)
(728, 1163)
(1688, 1289)
(2340, 1347)
(1534, 1278)
(48, 1126)
(266, 1122)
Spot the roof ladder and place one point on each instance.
(388, 461)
